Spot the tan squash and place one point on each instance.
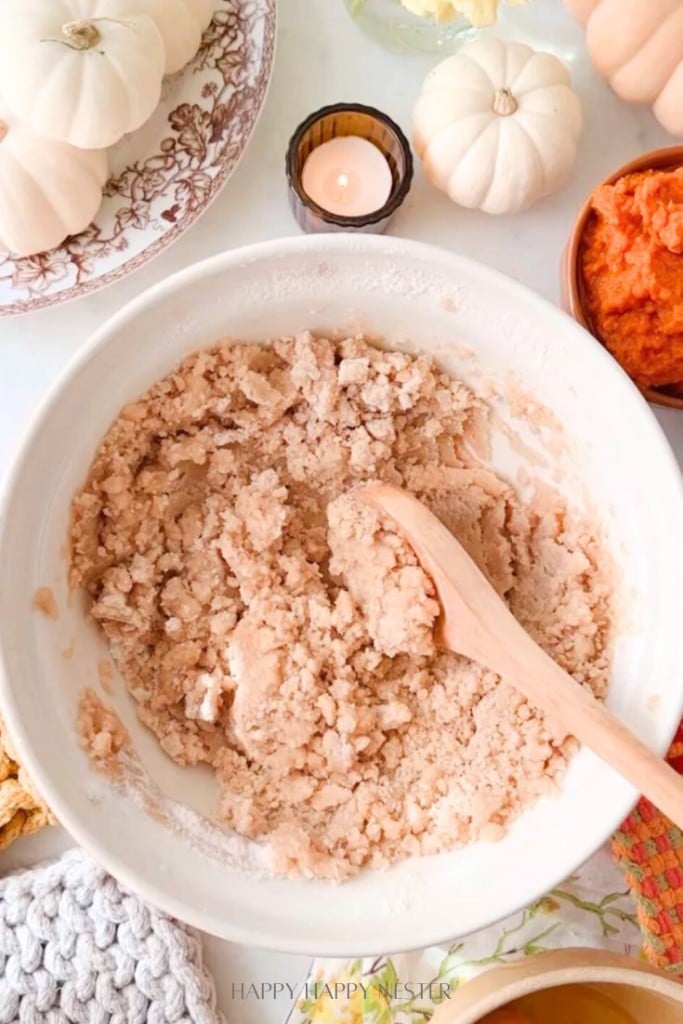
(638, 46)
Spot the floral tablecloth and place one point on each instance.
(594, 908)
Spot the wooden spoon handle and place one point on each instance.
(477, 623)
(544, 683)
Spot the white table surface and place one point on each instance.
(322, 58)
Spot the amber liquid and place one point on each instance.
(571, 1004)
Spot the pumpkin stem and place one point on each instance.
(504, 103)
(81, 35)
(84, 35)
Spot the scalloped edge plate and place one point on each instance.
(166, 174)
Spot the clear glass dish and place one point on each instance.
(392, 25)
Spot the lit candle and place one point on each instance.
(349, 168)
(348, 176)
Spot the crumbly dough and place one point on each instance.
(271, 626)
(103, 736)
(44, 601)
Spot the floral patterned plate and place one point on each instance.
(168, 172)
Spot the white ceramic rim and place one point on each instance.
(288, 941)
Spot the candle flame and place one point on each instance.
(343, 180)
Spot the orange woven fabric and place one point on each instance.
(650, 850)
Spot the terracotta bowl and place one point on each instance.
(572, 283)
(648, 995)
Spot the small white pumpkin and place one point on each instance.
(497, 125)
(181, 23)
(48, 189)
(81, 71)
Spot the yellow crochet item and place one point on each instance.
(22, 810)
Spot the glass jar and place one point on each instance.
(394, 26)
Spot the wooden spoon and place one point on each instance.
(477, 623)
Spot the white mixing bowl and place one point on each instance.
(472, 319)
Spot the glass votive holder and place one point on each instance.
(361, 123)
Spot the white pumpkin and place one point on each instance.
(82, 71)
(497, 125)
(48, 189)
(181, 23)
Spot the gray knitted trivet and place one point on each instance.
(75, 947)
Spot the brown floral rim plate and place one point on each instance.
(164, 176)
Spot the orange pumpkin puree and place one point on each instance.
(632, 264)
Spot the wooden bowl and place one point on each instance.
(648, 995)
(572, 280)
